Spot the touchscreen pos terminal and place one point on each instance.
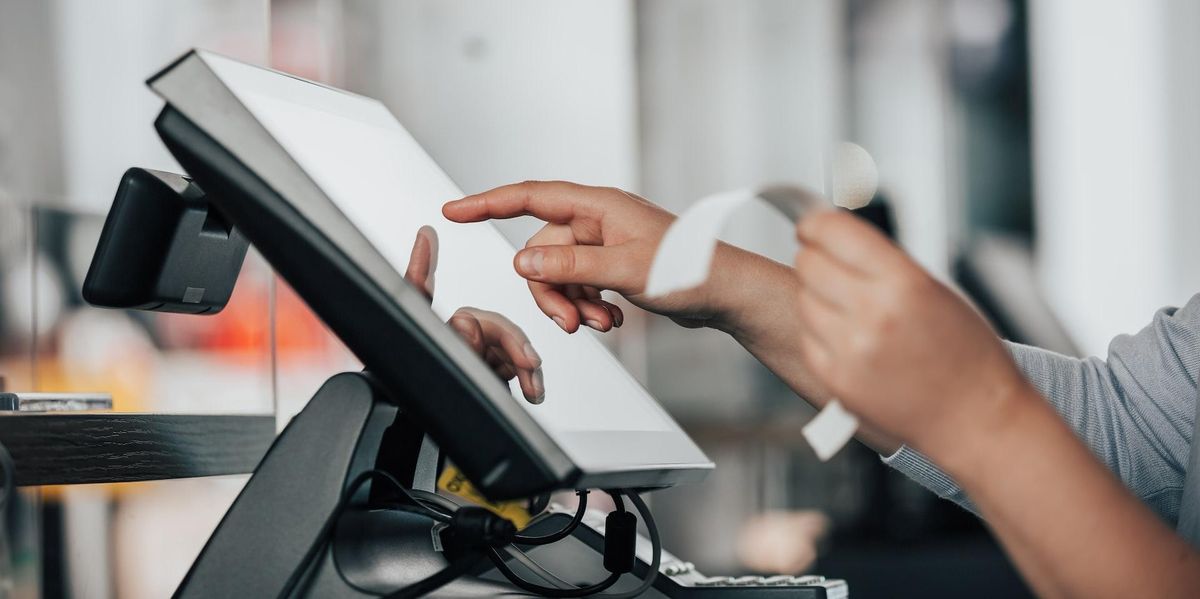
(332, 190)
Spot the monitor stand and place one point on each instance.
(274, 540)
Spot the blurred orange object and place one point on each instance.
(782, 542)
(243, 328)
(297, 329)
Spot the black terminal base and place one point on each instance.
(278, 538)
(273, 541)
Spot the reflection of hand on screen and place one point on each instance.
(500, 342)
(505, 348)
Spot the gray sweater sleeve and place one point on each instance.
(1135, 409)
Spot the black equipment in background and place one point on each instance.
(164, 248)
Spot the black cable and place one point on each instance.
(331, 522)
(562, 533)
(583, 591)
(616, 497)
(448, 505)
(367, 475)
(655, 547)
(595, 589)
(466, 565)
(537, 505)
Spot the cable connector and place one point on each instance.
(620, 542)
(477, 528)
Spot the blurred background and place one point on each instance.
(1041, 155)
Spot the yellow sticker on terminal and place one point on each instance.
(452, 481)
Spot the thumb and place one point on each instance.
(604, 267)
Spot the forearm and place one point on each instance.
(755, 304)
(1049, 501)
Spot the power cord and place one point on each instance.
(655, 548)
(620, 539)
(423, 505)
(564, 532)
(450, 506)
(471, 531)
(331, 522)
(476, 533)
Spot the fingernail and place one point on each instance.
(532, 355)
(530, 262)
(539, 387)
(562, 324)
(595, 325)
(618, 319)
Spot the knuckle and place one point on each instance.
(561, 262)
(527, 189)
(891, 300)
(891, 311)
(614, 193)
(864, 343)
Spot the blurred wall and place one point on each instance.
(73, 111)
(903, 114)
(733, 94)
(1115, 96)
(502, 92)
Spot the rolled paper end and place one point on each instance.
(793, 201)
(853, 175)
(830, 430)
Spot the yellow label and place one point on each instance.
(452, 481)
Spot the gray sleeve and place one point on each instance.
(1135, 409)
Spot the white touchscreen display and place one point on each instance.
(388, 187)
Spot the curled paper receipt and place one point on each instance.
(684, 258)
(685, 255)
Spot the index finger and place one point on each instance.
(552, 201)
(849, 240)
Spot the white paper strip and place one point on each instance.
(684, 257)
(830, 430)
(685, 254)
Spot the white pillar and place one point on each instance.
(1114, 95)
(73, 73)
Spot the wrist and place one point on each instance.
(747, 293)
(967, 443)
